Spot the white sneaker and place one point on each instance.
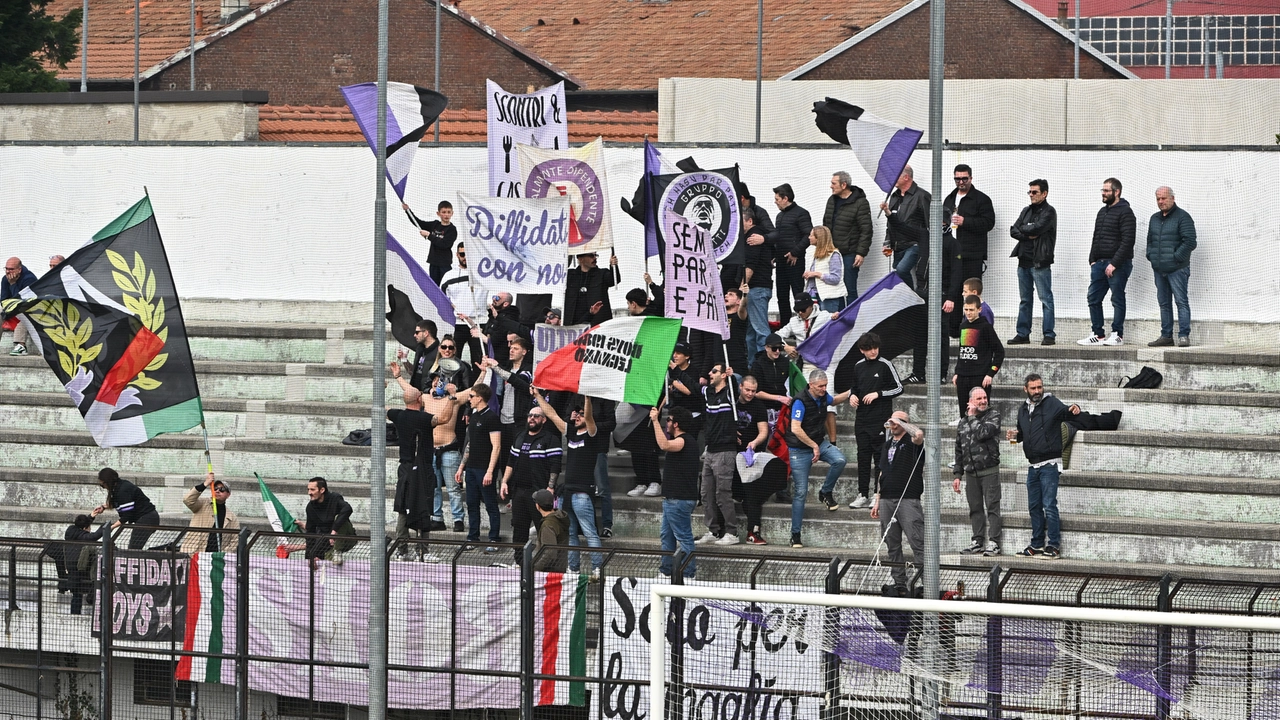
(636, 491)
(728, 540)
(654, 490)
(706, 539)
(1113, 339)
(860, 502)
(1091, 340)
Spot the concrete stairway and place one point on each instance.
(1189, 480)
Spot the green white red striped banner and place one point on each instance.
(624, 359)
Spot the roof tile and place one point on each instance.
(308, 123)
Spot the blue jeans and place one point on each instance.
(582, 516)
(905, 262)
(1042, 280)
(801, 462)
(606, 498)
(833, 304)
(1099, 284)
(446, 466)
(476, 492)
(1042, 502)
(1173, 284)
(677, 527)
(757, 321)
(850, 277)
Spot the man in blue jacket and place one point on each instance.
(16, 279)
(1040, 432)
(1171, 236)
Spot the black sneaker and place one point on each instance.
(1049, 341)
(1162, 341)
(606, 533)
(1018, 340)
(829, 500)
(457, 526)
(795, 540)
(913, 379)
(1050, 553)
(1029, 551)
(437, 525)
(783, 497)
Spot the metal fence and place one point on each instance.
(258, 632)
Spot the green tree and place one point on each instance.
(28, 36)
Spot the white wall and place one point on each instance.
(1010, 112)
(296, 223)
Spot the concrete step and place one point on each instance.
(1210, 455)
(283, 342)
(1092, 538)
(225, 417)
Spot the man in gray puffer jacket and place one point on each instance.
(1171, 236)
(978, 460)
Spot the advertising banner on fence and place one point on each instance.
(149, 596)
(539, 119)
(516, 245)
(579, 175)
(550, 338)
(782, 669)
(428, 627)
(690, 276)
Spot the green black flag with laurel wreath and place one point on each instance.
(126, 270)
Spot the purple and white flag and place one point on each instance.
(882, 148)
(890, 309)
(410, 111)
(690, 276)
(412, 295)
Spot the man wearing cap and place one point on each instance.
(772, 371)
(683, 389)
(808, 318)
(552, 316)
(203, 517)
(534, 464)
(586, 291)
(553, 534)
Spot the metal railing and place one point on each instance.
(286, 649)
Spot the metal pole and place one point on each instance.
(437, 85)
(1077, 48)
(527, 599)
(933, 364)
(191, 57)
(759, 61)
(137, 33)
(1168, 39)
(84, 48)
(106, 589)
(242, 625)
(377, 412)
(1204, 44)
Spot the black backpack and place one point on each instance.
(1148, 378)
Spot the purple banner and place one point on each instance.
(691, 277)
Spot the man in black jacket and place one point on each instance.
(327, 514)
(909, 204)
(1040, 432)
(848, 217)
(897, 503)
(967, 214)
(790, 237)
(513, 406)
(1036, 232)
(1110, 263)
(534, 465)
(586, 291)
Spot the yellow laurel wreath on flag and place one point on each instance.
(63, 325)
(143, 303)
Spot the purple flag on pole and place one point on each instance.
(410, 111)
(881, 147)
(890, 308)
(652, 167)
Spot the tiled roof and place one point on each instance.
(165, 29)
(630, 44)
(307, 123)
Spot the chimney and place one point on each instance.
(1062, 12)
(232, 9)
(199, 20)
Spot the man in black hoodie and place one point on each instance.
(1110, 263)
(981, 353)
(1039, 430)
(327, 514)
(790, 237)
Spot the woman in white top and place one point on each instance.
(824, 271)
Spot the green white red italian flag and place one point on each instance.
(624, 360)
(561, 602)
(210, 599)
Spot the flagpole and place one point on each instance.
(733, 400)
(378, 452)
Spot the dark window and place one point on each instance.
(1110, 22)
(154, 684)
(1110, 35)
(301, 707)
(1126, 22)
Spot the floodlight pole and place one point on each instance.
(1168, 39)
(137, 33)
(191, 55)
(377, 411)
(1077, 48)
(437, 64)
(84, 48)
(759, 62)
(933, 364)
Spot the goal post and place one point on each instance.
(1107, 661)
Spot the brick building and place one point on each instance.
(985, 39)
